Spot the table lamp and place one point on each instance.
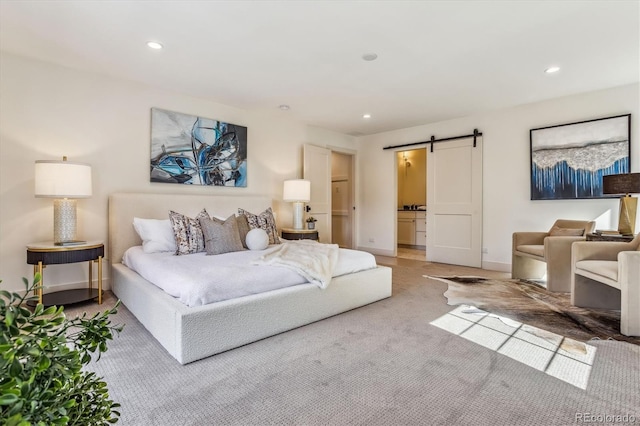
(297, 191)
(64, 181)
(625, 183)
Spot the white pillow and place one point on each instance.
(257, 239)
(156, 235)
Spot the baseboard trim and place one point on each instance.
(379, 252)
(496, 266)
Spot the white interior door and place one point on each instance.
(454, 203)
(317, 169)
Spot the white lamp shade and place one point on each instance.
(297, 190)
(62, 179)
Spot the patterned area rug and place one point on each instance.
(531, 304)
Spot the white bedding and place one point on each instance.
(315, 262)
(198, 279)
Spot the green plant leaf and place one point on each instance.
(9, 316)
(8, 399)
(33, 351)
(16, 420)
(42, 354)
(44, 363)
(50, 310)
(16, 368)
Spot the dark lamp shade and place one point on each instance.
(625, 183)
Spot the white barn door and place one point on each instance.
(317, 169)
(454, 202)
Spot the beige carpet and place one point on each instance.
(382, 364)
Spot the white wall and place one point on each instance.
(47, 111)
(506, 171)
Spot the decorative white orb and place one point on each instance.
(257, 239)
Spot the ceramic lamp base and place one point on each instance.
(298, 213)
(64, 220)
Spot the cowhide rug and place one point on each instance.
(531, 304)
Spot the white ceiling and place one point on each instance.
(437, 60)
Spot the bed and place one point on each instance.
(193, 333)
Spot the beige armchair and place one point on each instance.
(535, 254)
(606, 275)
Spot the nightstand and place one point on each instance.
(299, 234)
(42, 254)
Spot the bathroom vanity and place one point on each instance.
(412, 228)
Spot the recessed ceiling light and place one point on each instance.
(366, 116)
(551, 70)
(284, 107)
(369, 57)
(154, 45)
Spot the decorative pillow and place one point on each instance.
(156, 235)
(243, 229)
(257, 239)
(556, 231)
(264, 220)
(221, 236)
(187, 232)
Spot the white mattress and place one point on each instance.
(198, 279)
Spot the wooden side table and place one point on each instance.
(42, 254)
(610, 237)
(300, 234)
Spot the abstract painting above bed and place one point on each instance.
(194, 150)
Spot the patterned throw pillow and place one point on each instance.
(187, 232)
(264, 220)
(220, 236)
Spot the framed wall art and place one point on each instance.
(192, 150)
(569, 160)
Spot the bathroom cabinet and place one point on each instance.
(412, 227)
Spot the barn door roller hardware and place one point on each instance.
(433, 140)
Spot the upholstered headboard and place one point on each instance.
(123, 207)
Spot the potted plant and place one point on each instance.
(41, 358)
(311, 222)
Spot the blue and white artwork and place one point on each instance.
(197, 151)
(569, 160)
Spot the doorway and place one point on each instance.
(412, 203)
(453, 196)
(332, 174)
(342, 199)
